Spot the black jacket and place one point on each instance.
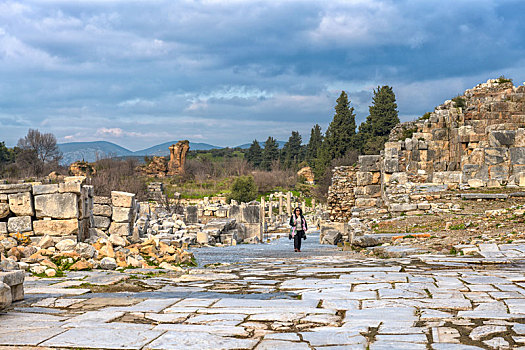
(292, 223)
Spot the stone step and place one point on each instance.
(11, 287)
(487, 196)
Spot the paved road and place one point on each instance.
(269, 297)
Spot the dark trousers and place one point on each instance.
(297, 240)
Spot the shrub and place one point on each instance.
(459, 101)
(503, 80)
(425, 116)
(243, 189)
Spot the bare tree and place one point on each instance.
(44, 145)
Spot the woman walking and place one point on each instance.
(299, 227)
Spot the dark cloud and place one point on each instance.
(226, 72)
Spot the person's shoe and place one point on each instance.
(299, 250)
(295, 250)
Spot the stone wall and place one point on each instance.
(474, 140)
(66, 210)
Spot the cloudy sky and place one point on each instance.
(139, 73)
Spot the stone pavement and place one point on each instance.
(277, 301)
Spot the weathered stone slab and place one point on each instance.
(489, 196)
(19, 224)
(121, 229)
(45, 189)
(21, 204)
(15, 188)
(122, 199)
(3, 228)
(121, 214)
(101, 222)
(55, 227)
(70, 187)
(57, 206)
(4, 210)
(102, 210)
(174, 340)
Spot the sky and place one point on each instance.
(139, 73)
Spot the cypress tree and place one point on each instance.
(292, 152)
(312, 149)
(254, 154)
(383, 116)
(270, 153)
(339, 137)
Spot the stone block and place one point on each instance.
(19, 224)
(80, 179)
(501, 138)
(15, 188)
(55, 227)
(57, 206)
(475, 183)
(446, 177)
(101, 222)
(369, 163)
(521, 179)
(70, 187)
(519, 140)
(517, 155)
(372, 190)
(4, 210)
(364, 178)
(3, 228)
(120, 229)
(366, 202)
(499, 172)
(495, 155)
(121, 214)
(102, 210)
(5, 296)
(331, 237)
(477, 156)
(422, 145)
(21, 204)
(203, 238)
(401, 207)
(45, 189)
(391, 165)
(122, 199)
(440, 134)
(102, 200)
(399, 178)
(423, 206)
(465, 130)
(190, 215)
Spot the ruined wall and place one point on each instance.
(66, 210)
(474, 140)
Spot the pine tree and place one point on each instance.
(339, 137)
(312, 149)
(254, 154)
(383, 116)
(292, 152)
(270, 153)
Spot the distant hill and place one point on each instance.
(162, 149)
(247, 145)
(90, 151)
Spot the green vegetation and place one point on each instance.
(243, 189)
(425, 116)
(503, 80)
(458, 227)
(460, 101)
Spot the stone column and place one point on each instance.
(313, 203)
(270, 210)
(280, 204)
(304, 207)
(289, 203)
(263, 208)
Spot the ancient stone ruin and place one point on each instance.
(161, 167)
(475, 140)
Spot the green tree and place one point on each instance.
(312, 149)
(243, 189)
(292, 152)
(270, 153)
(254, 154)
(339, 137)
(383, 116)
(7, 155)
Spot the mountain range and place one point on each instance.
(91, 151)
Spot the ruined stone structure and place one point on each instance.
(67, 210)
(474, 140)
(82, 168)
(178, 157)
(161, 167)
(307, 173)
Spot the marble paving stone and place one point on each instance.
(198, 341)
(333, 337)
(281, 344)
(179, 310)
(150, 305)
(451, 346)
(167, 318)
(429, 315)
(370, 286)
(101, 337)
(482, 288)
(519, 328)
(282, 336)
(497, 343)
(341, 304)
(404, 338)
(102, 316)
(322, 319)
(445, 335)
(392, 345)
(33, 336)
(485, 331)
(277, 316)
(396, 328)
(191, 328)
(55, 291)
(516, 305)
(216, 319)
(506, 295)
